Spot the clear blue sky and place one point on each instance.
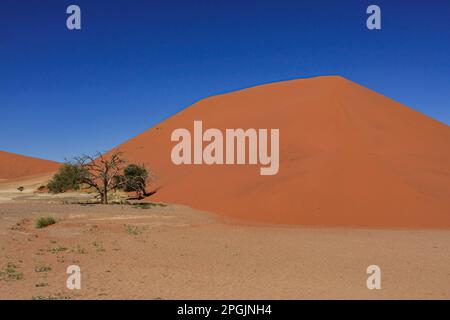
(135, 63)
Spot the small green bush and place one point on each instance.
(44, 221)
(68, 177)
(135, 179)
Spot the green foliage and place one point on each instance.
(135, 179)
(44, 221)
(68, 177)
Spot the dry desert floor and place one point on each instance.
(175, 252)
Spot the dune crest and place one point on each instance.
(348, 157)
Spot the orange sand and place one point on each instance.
(348, 156)
(15, 166)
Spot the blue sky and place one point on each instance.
(136, 63)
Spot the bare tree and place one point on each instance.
(103, 173)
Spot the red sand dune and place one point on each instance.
(348, 156)
(15, 166)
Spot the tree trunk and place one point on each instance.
(105, 197)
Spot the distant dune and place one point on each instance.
(348, 157)
(15, 166)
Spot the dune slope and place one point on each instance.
(15, 166)
(348, 157)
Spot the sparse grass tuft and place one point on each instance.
(78, 249)
(142, 206)
(44, 222)
(41, 284)
(98, 246)
(57, 249)
(148, 205)
(41, 268)
(132, 230)
(10, 273)
(51, 297)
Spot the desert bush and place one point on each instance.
(68, 177)
(44, 221)
(20, 189)
(135, 179)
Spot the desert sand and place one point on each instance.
(175, 252)
(15, 166)
(348, 157)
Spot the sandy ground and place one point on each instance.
(175, 252)
(9, 192)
